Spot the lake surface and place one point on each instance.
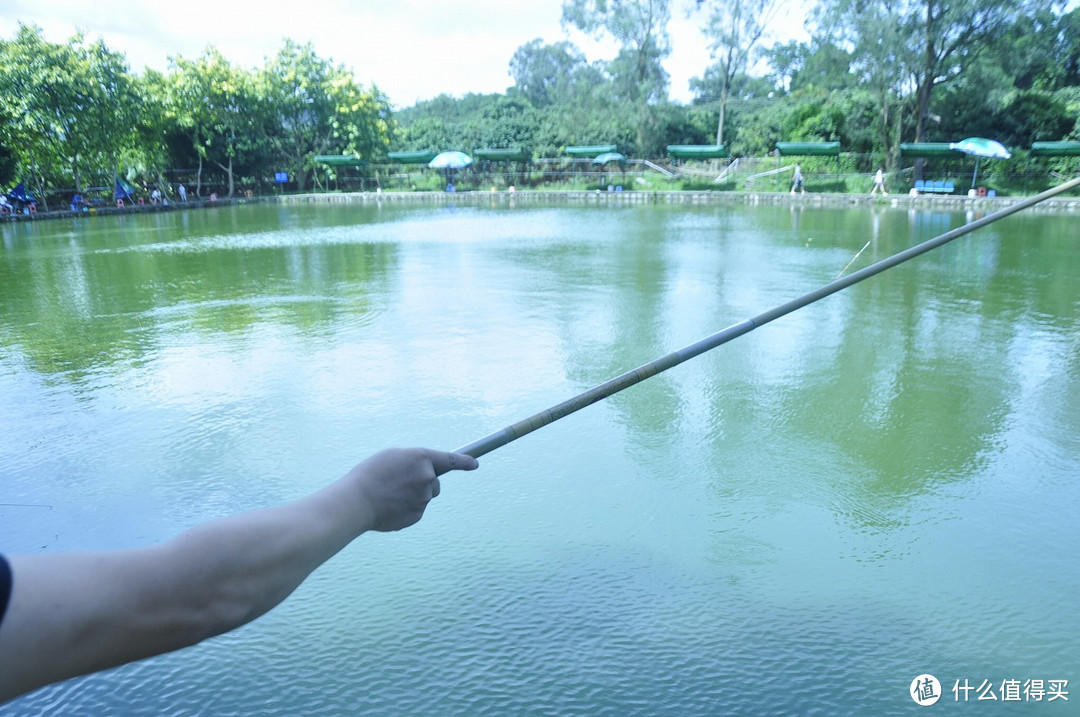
(802, 521)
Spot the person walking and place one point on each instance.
(797, 182)
(879, 183)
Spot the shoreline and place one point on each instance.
(477, 198)
(935, 202)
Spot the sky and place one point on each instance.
(411, 49)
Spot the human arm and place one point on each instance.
(75, 613)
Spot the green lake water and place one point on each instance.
(802, 521)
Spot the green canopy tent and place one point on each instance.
(591, 150)
(928, 150)
(422, 156)
(503, 154)
(698, 151)
(337, 160)
(809, 149)
(1055, 149)
(506, 154)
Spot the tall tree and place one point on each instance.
(733, 28)
(640, 27)
(218, 105)
(542, 72)
(942, 38)
(319, 109)
(882, 58)
(71, 105)
(112, 104)
(38, 93)
(947, 35)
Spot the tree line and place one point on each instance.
(72, 113)
(875, 73)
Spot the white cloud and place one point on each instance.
(411, 49)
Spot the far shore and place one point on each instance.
(933, 202)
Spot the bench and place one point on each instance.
(929, 186)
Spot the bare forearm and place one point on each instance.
(232, 570)
(79, 612)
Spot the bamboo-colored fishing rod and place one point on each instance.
(511, 433)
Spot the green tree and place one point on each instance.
(818, 65)
(112, 104)
(216, 104)
(640, 27)
(1041, 51)
(733, 29)
(543, 74)
(38, 90)
(928, 42)
(319, 109)
(72, 107)
(881, 60)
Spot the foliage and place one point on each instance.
(319, 109)
(640, 27)
(71, 107)
(547, 74)
(733, 29)
(874, 73)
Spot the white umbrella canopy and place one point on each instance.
(450, 160)
(980, 147)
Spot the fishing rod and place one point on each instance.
(597, 393)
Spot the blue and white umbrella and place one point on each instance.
(450, 160)
(980, 147)
(611, 157)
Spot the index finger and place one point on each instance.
(444, 462)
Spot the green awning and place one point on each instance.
(809, 149)
(591, 150)
(927, 149)
(504, 154)
(1055, 149)
(339, 160)
(698, 151)
(416, 157)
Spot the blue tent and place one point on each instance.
(123, 190)
(19, 194)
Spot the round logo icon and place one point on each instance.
(925, 690)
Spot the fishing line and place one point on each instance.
(860, 251)
(597, 393)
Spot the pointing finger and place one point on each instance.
(444, 462)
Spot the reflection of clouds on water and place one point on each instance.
(119, 297)
(823, 491)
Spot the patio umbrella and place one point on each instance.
(450, 160)
(980, 147)
(610, 157)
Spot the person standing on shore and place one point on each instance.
(879, 182)
(182, 190)
(797, 182)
